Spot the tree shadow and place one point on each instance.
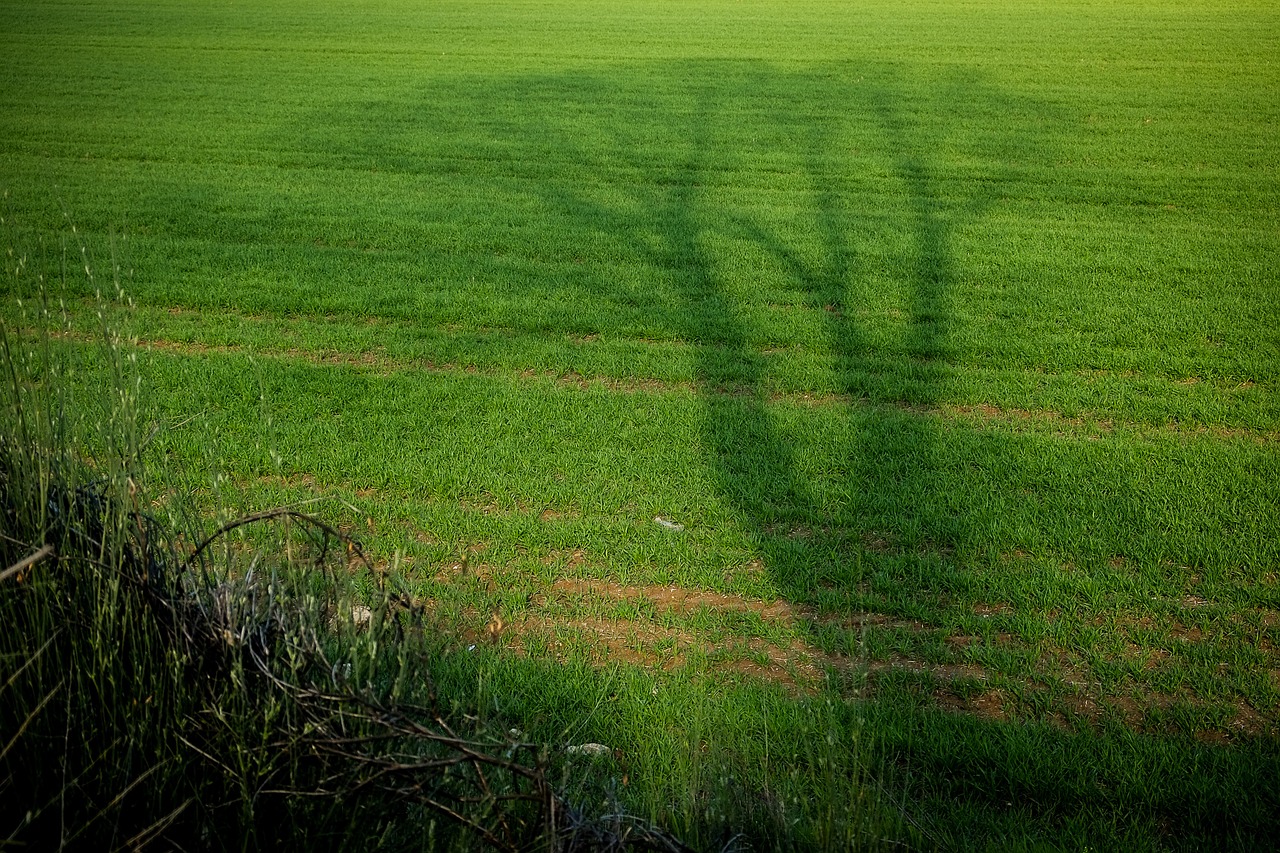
(771, 212)
(653, 153)
(781, 216)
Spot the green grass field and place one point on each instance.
(947, 333)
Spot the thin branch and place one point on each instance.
(140, 840)
(480, 830)
(26, 562)
(207, 756)
(22, 728)
(271, 515)
(115, 801)
(30, 660)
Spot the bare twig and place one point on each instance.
(34, 712)
(102, 812)
(144, 837)
(30, 660)
(271, 515)
(26, 562)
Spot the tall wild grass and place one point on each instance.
(172, 679)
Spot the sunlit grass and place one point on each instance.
(946, 329)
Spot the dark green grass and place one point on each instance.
(963, 314)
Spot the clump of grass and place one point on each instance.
(260, 685)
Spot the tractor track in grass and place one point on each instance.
(661, 627)
(1077, 425)
(696, 632)
(578, 617)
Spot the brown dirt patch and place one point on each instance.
(1185, 634)
(989, 704)
(1092, 425)
(940, 671)
(1155, 657)
(644, 644)
(807, 399)
(1213, 737)
(868, 619)
(676, 599)
(187, 347)
(879, 543)
(291, 481)
(630, 642)
(468, 567)
(795, 666)
(799, 667)
(1145, 623)
(1082, 705)
(937, 549)
(1247, 721)
(1128, 710)
(423, 537)
(572, 379)
(366, 358)
(571, 559)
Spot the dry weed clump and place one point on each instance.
(262, 685)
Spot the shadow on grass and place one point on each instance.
(764, 195)
(757, 192)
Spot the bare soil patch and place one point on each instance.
(676, 599)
